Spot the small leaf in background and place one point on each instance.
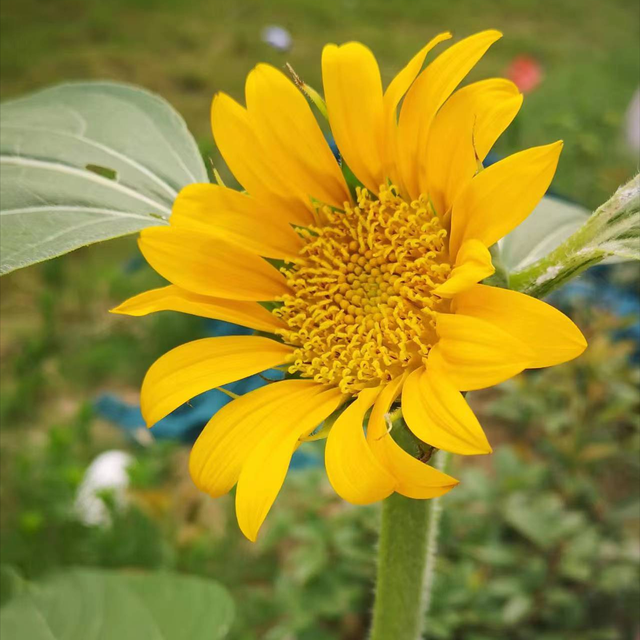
(85, 162)
(544, 520)
(516, 609)
(92, 604)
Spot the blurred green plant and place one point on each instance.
(65, 343)
(546, 545)
(541, 544)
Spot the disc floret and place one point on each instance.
(361, 308)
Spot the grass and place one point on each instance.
(186, 51)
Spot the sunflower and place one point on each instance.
(361, 276)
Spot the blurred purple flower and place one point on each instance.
(277, 37)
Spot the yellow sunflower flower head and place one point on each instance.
(379, 296)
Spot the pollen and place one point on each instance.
(361, 308)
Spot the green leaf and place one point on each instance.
(517, 609)
(543, 520)
(83, 604)
(551, 222)
(85, 162)
(11, 583)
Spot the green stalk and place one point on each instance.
(613, 230)
(407, 554)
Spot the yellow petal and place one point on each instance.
(403, 80)
(247, 159)
(437, 413)
(427, 94)
(353, 92)
(414, 478)
(473, 263)
(265, 468)
(475, 353)
(392, 96)
(462, 134)
(551, 336)
(235, 217)
(172, 298)
(500, 197)
(353, 470)
(291, 136)
(210, 266)
(201, 365)
(227, 440)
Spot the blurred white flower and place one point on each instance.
(107, 472)
(632, 123)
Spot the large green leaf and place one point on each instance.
(85, 162)
(84, 604)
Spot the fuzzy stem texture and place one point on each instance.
(407, 554)
(612, 231)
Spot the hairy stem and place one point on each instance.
(407, 554)
(613, 230)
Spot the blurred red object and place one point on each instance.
(526, 72)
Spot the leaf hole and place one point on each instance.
(105, 172)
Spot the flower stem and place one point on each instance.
(612, 231)
(407, 554)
